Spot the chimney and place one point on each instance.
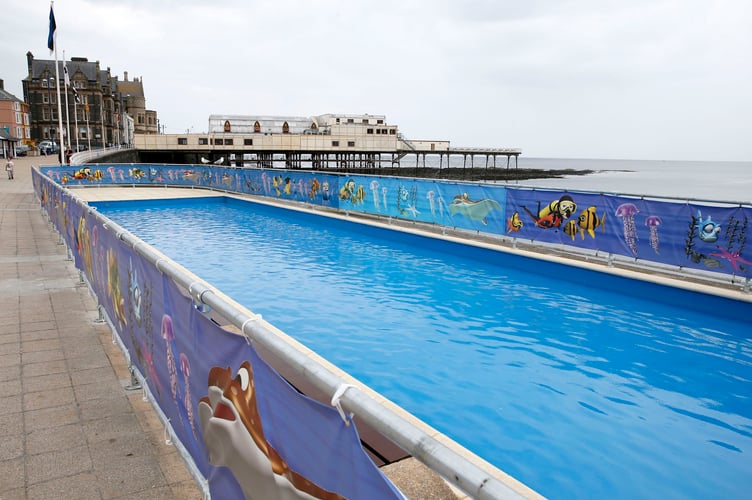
(2, 84)
(125, 76)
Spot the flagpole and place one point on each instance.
(59, 106)
(66, 79)
(101, 114)
(75, 120)
(88, 130)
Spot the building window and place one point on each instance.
(335, 144)
(365, 121)
(228, 129)
(44, 83)
(18, 116)
(350, 144)
(257, 128)
(314, 126)
(228, 142)
(392, 131)
(45, 99)
(369, 131)
(203, 141)
(285, 128)
(182, 141)
(378, 131)
(217, 142)
(350, 120)
(247, 142)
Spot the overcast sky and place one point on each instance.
(643, 79)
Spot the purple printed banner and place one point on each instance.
(249, 432)
(703, 237)
(706, 237)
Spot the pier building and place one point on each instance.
(349, 142)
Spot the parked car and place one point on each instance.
(22, 150)
(48, 147)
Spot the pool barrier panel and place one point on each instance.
(686, 235)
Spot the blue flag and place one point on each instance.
(53, 28)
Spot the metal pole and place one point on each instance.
(67, 113)
(59, 109)
(88, 130)
(75, 118)
(49, 98)
(101, 116)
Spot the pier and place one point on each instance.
(311, 152)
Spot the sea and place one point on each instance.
(722, 181)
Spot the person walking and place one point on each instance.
(9, 168)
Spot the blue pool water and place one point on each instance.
(579, 384)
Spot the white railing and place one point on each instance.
(88, 156)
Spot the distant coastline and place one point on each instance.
(491, 174)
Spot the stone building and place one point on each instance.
(103, 113)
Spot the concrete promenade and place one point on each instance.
(70, 429)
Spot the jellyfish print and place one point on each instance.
(431, 202)
(653, 221)
(111, 171)
(375, 191)
(627, 211)
(383, 195)
(172, 369)
(185, 369)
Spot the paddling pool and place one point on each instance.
(578, 383)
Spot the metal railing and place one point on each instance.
(88, 156)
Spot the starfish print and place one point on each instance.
(732, 257)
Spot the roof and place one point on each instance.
(7, 96)
(245, 123)
(40, 66)
(131, 87)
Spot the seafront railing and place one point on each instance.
(94, 154)
(245, 428)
